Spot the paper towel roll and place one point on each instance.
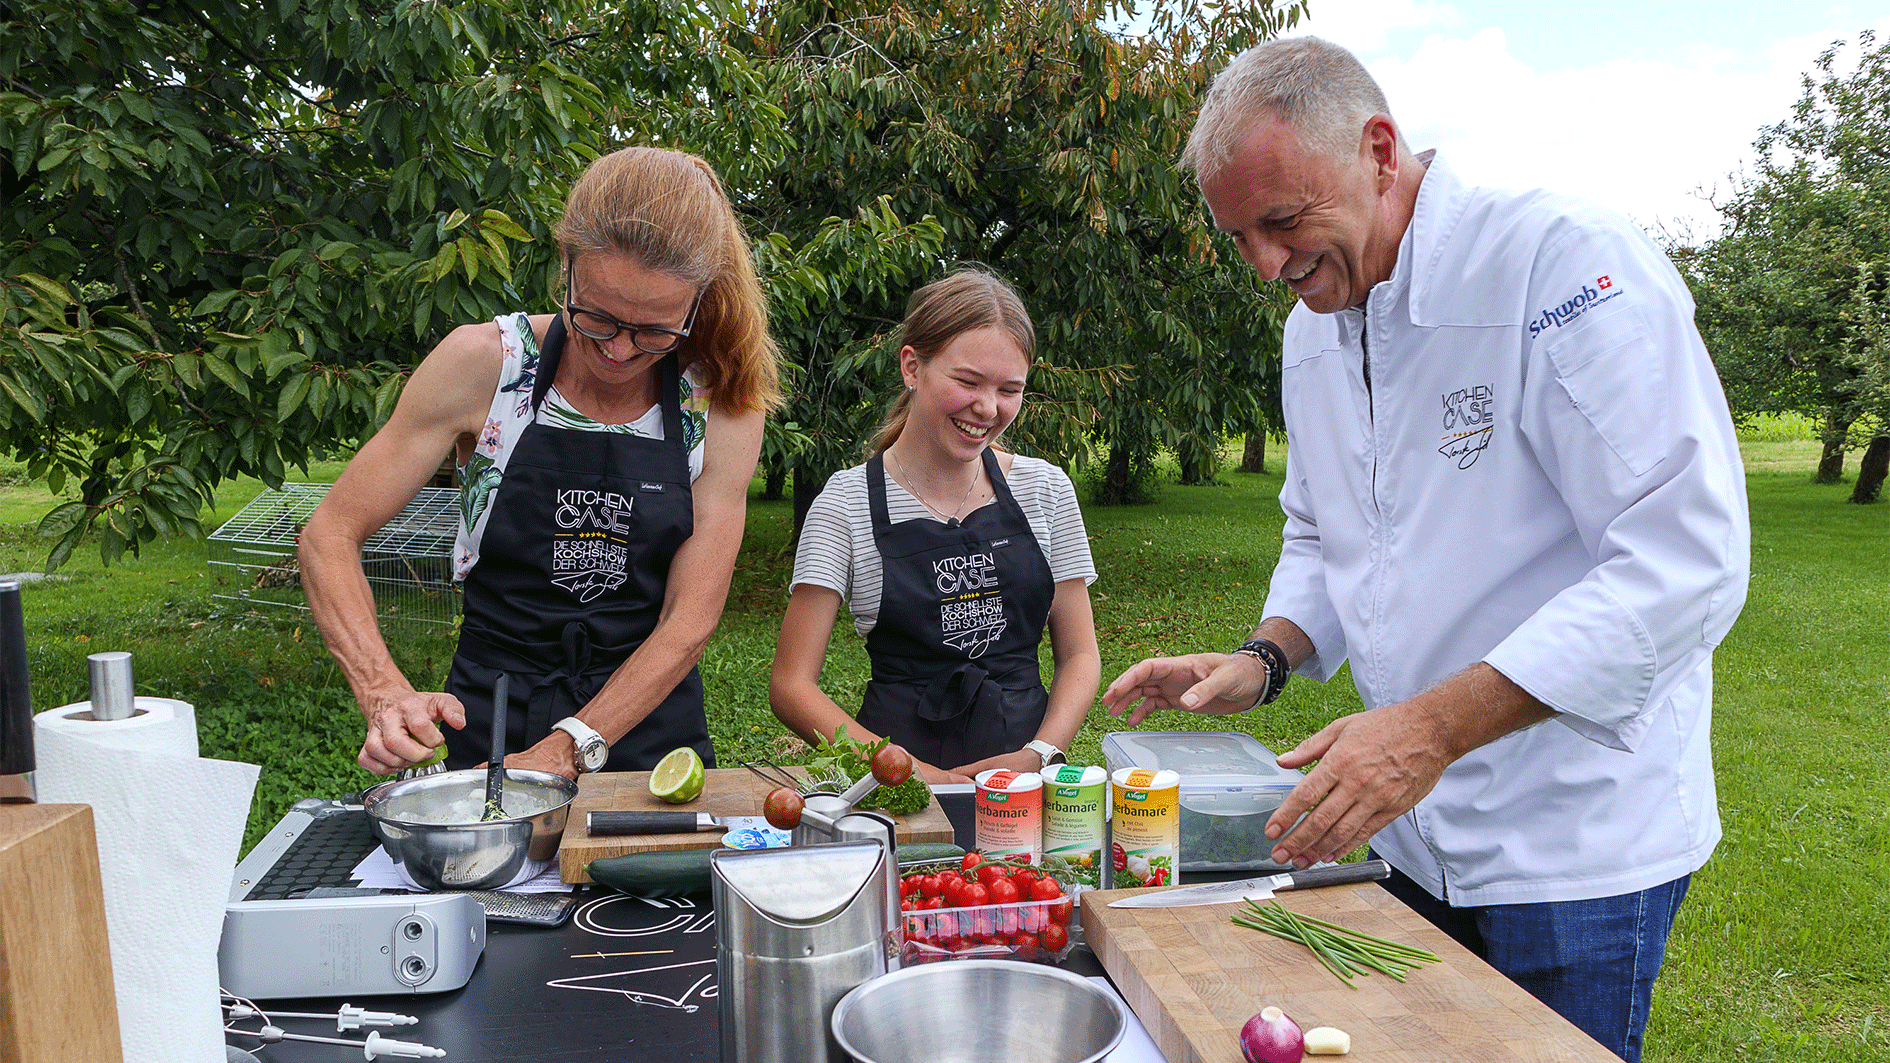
(170, 827)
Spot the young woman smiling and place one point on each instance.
(953, 558)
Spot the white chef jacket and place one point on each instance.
(1542, 475)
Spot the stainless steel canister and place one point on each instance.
(797, 928)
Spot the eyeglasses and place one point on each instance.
(650, 339)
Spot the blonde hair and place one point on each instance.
(1318, 88)
(667, 210)
(940, 312)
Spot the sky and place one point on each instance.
(1647, 107)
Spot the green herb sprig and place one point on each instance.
(1344, 951)
(852, 759)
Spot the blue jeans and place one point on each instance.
(1593, 961)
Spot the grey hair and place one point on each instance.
(1313, 85)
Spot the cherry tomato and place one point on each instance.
(1024, 945)
(928, 885)
(1060, 911)
(1003, 891)
(975, 894)
(972, 860)
(905, 904)
(782, 808)
(1053, 937)
(989, 873)
(954, 892)
(1045, 889)
(892, 765)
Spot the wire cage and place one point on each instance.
(409, 562)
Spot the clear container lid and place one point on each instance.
(1194, 754)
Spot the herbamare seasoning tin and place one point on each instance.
(1145, 828)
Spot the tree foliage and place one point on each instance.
(1794, 296)
(1040, 144)
(232, 227)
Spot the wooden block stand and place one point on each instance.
(56, 999)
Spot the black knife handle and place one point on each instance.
(1339, 874)
(622, 822)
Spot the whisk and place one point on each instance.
(828, 779)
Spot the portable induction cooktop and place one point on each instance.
(313, 851)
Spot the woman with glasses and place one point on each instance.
(604, 454)
(953, 556)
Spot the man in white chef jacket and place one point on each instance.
(1514, 502)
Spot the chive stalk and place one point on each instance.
(1340, 949)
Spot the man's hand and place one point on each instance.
(1372, 768)
(1211, 683)
(1375, 766)
(403, 729)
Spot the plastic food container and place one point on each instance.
(1034, 930)
(1230, 784)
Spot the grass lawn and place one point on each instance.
(1782, 951)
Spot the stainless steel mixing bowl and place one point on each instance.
(430, 826)
(988, 1011)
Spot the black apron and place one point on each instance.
(570, 580)
(961, 613)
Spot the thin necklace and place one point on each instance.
(950, 519)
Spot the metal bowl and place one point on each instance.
(430, 826)
(990, 1011)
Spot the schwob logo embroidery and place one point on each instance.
(590, 551)
(971, 607)
(1469, 423)
(1589, 297)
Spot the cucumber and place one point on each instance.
(668, 873)
(929, 853)
(674, 872)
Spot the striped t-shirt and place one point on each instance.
(837, 549)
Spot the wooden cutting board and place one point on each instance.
(1194, 978)
(725, 792)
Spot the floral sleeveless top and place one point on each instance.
(481, 476)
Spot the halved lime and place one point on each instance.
(678, 777)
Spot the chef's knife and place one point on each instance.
(618, 821)
(1257, 889)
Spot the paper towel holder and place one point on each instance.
(112, 696)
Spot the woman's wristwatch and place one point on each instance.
(1273, 658)
(1049, 753)
(592, 750)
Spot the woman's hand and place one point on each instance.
(556, 753)
(936, 776)
(403, 729)
(1017, 760)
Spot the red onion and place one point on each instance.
(1271, 1037)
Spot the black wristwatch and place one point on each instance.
(1268, 653)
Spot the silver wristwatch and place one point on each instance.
(592, 750)
(1049, 753)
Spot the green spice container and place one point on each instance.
(1075, 821)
